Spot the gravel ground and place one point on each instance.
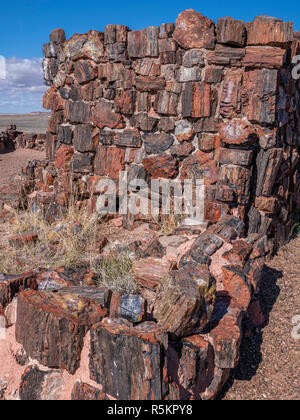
(269, 368)
(11, 163)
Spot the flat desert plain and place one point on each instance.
(35, 122)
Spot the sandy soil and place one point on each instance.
(269, 368)
(11, 163)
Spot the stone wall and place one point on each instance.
(174, 102)
(195, 99)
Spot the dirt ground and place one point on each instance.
(11, 163)
(269, 368)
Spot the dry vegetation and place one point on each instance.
(71, 241)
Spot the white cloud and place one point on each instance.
(23, 88)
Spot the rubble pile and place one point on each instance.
(12, 139)
(191, 100)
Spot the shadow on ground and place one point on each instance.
(250, 351)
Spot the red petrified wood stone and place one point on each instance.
(196, 366)
(237, 285)
(85, 392)
(150, 272)
(103, 115)
(194, 30)
(51, 326)
(231, 31)
(195, 100)
(161, 166)
(11, 285)
(237, 132)
(129, 362)
(185, 300)
(109, 161)
(264, 57)
(266, 30)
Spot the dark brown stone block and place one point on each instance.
(231, 31)
(128, 362)
(185, 301)
(51, 326)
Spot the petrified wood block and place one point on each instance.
(129, 362)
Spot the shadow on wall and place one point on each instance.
(250, 351)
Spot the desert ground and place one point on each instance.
(35, 122)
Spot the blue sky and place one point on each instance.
(25, 25)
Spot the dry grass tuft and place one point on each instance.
(71, 241)
(116, 273)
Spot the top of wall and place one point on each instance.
(192, 30)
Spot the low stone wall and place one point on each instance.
(12, 139)
(195, 100)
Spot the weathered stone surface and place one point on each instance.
(195, 100)
(130, 307)
(85, 138)
(266, 30)
(128, 362)
(109, 161)
(231, 100)
(268, 163)
(267, 205)
(115, 33)
(161, 166)
(11, 285)
(226, 56)
(206, 243)
(65, 134)
(41, 385)
(124, 102)
(208, 142)
(194, 30)
(213, 75)
(195, 367)
(193, 58)
(143, 121)
(259, 94)
(199, 166)
(237, 132)
(82, 162)
(166, 103)
(57, 36)
(128, 138)
(266, 57)
(237, 284)
(85, 392)
(231, 31)
(157, 143)
(150, 272)
(103, 115)
(183, 130)
(186, 74)
(149, 84)
(51, 327)
(239, 253)
(182, 150)
(85, 71)
(235, 157)
(228, 228)
(143, 43)
(90, 46)
(185, 301)
(77, 112)
(147, 67)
